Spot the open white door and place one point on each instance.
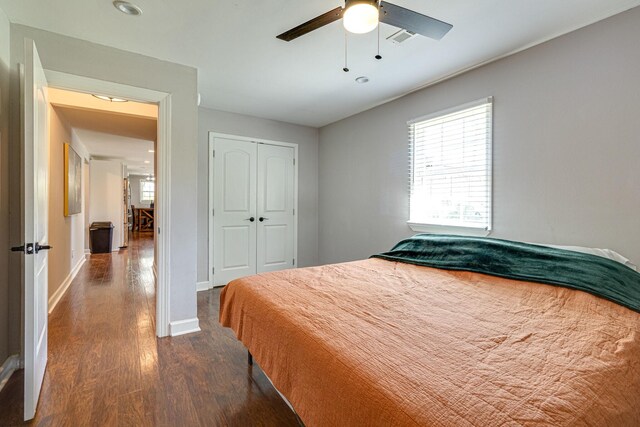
(35, 210)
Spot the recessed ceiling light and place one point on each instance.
(110, 98)
(147, 161)
(152, 151)
(127, 8)
(362, 79)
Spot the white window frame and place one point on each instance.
(142, 191)
(454, 229)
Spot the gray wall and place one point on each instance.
(65, 54)
(242, 125)
(5, 348)
(566, 149)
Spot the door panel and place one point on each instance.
(234, 239)
(275, 208)
(275, 246)
(237, 181)
(275, 184)
(35, 210)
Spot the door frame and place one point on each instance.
(212, 136)
(161, 267)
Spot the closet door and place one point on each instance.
(234, 231)
(275, 208)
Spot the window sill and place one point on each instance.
(448, 229)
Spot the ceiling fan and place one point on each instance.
(363, 16)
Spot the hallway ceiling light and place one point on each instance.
(152, 151)
(109, 98)
(127, 8)
(147, 161)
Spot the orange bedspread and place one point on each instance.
(379, 343)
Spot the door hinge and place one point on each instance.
(293, 262)
(213, 270)
(214, 153)
(294, 161)
(294, 211)
(213, 212)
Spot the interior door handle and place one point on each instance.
(250, 219)
(27, 249)
(39, 247)
(262, 219)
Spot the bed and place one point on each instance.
(431, 337)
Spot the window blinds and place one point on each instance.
(147, 191)
(450, 173)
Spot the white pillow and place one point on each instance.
(604, 253)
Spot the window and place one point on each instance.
(450, 161)
(147, 191)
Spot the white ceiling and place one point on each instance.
(244, 68)
(131, 151)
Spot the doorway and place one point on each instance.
(161, 269)
(102, 148)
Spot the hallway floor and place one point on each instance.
(106, 367)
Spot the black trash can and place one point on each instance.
(100, 237)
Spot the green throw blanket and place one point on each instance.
(599, 276)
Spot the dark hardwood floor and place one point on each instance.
(106, 367)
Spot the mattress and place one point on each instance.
(381, 343)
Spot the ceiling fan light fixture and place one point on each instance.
(361, 16)
(109, 98)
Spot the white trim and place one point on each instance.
(204, 286)
(450, 110)
(9, 366)
(58, 294)
(212, 136)
(163, 218)
(447, 229)
(163, 183)
(183, 327)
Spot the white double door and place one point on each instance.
(254, 202)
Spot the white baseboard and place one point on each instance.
(204, 286)
(9, 366)
(55, 298)
(183, 327)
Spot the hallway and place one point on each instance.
(106, 366)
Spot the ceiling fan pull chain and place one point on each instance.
(346, 68)
(378, 55)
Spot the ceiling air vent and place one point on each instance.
(401, 36)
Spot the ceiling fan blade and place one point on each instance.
(413, 21)
(314, 24)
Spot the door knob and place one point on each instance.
(250, 219)
(262, 219)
